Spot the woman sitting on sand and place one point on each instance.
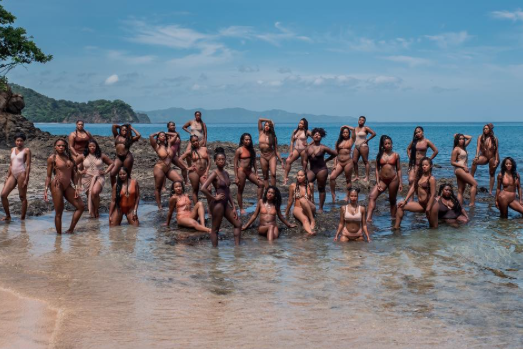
(17, 174)
(449, 208)
(459, 159)
(269, 208)
(123, 139)
(298, 145)
(388, 176)
(199, 163)
(315, 156)
(301, 194)
(92, 179)
(417, 150)
(425, 188)
(343, 162)
(244, 164)
(125, 199)
(186, 215)
(268, 143)
(352, 225)
(198, 128)
(361, 146)
(62, 165)
(79, 139)
(221, 205)
(509, 188)
(487, 152)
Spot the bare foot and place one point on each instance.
(334, 198)
(6, 219)
(313, 224)
(369, 220)
(285, 180)
(69, 231)
(472, 205)
(320, 211)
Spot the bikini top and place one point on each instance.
(297, 193)
(297, 136)
(92, 164)
(425, 185)
(266, 207)
(183, 203)
(117, 141)
(343, 144)
(391, 159)
(245, 153)
(349, 217)
(65, 165)
(422, 146)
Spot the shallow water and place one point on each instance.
(127, 287)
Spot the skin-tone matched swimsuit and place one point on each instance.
(197, 129)
(426, 187)
(388, 160)
(63, 171)
(298, 195)
(81, 142)
(462, 158)
(93, 167)
(183, 206)
(300, 140)
(17, 163)
(128, 197)
(222, 187)
(361, 137)
(245, 155)
(355, 218)
(118, 142)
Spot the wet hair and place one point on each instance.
(218, 151)
(193, 148)
(172, 187)
(514, 170)
(297, 188)
(381, 150)
(420, 169)
(20, 135)
(453, 198)
(272, 134)
(128, 136)
(250, 148)
(456, 140)
(489, 135)
(97, 152)
(412, 160)
(165, 143)
(67, 153)
(119, 184)
(340, 137)
(319, 130)
(277, 196)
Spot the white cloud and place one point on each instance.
(274, 38)
(513, 16)
(411, 61)
(446, 40)
(111, 80)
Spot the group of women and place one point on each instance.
(78, 165)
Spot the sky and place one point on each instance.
(388, 60)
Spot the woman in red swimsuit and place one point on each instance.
(186, 215)
(244, 163)
(125, 199)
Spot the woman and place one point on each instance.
(92, 179)
(244, 163)
(388, 176)
(449, 208)
(417, 150)
(198, 128)
(175, 148)
(361, 147)
(459, 159)
(315, 156)
(425, 188)
(125, 199)
(62, 165)
(510, 181)
(17, 174)
(199, 163)
(343, 162)
(268, 150)
(298, 145)
(301, 194)
(352, 226)
(162, 169)
(221, 205)
(186, 216)
(79, 139)
(487, 152)
(269, 207)
(123, 139)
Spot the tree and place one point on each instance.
(15, 47)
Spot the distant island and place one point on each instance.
(40, 108)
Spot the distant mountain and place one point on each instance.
(242, 116)
(40, 108)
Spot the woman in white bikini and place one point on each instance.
(298, 145)
(353, 225)
(361, 147)
(459, 159)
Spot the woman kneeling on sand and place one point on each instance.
(186, 216)
(353, 224)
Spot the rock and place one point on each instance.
(16, 104)
(12, 124)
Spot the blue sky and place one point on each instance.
(391, 61)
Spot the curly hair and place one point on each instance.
(277, 196)
(319, 130)
(453, 198)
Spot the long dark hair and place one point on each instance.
(97, 152)
(119, 184)
(514, 170)
(165, 143)
(250, 148)
(453, 198)
(420, 169)
(193, 148)
(67, 153)
(272, 134)
(456, 140)
(381, 150)
(277, 196)
(489, 135)
(340, 137)
(297, 188)
(305, 127)
(412, 160)
(128, 137)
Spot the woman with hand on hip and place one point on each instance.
(361, 146)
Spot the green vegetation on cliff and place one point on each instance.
(40, 108)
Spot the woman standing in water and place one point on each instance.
(509, 180)
(416, 150)
(425, 188)
(186, 216)
(388, 176)
(92, 179)
(175, 148)
(301, 194)
(17, 174)
(199, 165)
(198, 128)
(78, 139)
(162, 169)
(449, 208)
(123, 139)
(315, 156)
(221, 205)
(487, 152)
(62, 165)
(244, 163)
(125, 199)
(268, 150)
(343, 162)
(269, 208)
(298, 145)
(361, 147)
(352, 226)
(459, 159)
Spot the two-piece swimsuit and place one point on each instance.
(298, 196)
(352, 217)
(391, 160)
(300, 140)
(59, 179)
(183, 206)
(244, 155)
(122, 157)
(426, 186)
(17, 163)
